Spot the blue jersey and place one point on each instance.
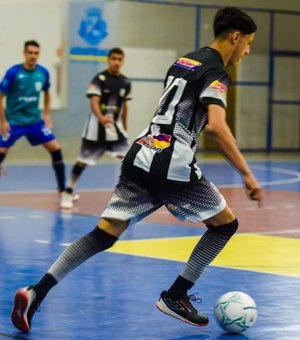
(22, 89)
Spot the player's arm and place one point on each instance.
(124, 116)
(47, 113)
(4, 124)
(95, 102)
(218, 130)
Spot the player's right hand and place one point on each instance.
(106, 121)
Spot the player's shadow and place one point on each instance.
(227, 336)
(224, 336)
(192, 337)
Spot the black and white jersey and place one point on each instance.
(168, 145)
(113, 92)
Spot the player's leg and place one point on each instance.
(3, 153)
(28, 299)
(115, 220)
(118, 149)
(90, 152)
(58, 164)
(39, 134)
(205, 204)
(220, 228)
(6, 143)
(76, 172)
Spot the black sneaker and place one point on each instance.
(181, 309)
(25, 305)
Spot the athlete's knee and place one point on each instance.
(227, 229)
(113, 226)
(104, 239)
(57, 156)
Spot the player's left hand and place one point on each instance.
(253, 189)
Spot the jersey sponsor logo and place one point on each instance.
(188, 64)
(38, 86)
(156, 143)
(28, 99)
(219, 87)
(102, 77)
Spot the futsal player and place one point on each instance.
(106, 127)
(160, 169)
(22, 86)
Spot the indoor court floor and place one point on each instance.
(113, 294)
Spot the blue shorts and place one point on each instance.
(36, 134)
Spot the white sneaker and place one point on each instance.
(66, 200)
(75, 197)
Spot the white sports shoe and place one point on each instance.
(75, 197)
(66, 200)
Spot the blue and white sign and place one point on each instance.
(93, 28)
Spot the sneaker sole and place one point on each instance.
(66, 206)
(161, 306)
(21, 306)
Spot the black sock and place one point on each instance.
(75, 174)
(59, 169)
(2, 156)
(179, 288)
(43, 286)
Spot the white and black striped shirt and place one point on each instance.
(113, 91)
(168, 145)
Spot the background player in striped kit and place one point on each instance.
(160, 169)
(22, 85)
(106, 126)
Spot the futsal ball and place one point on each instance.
(235, 312)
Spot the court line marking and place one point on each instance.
(36, 217)
(233, 185)
(12, 336)
(41, 241)
(268, 183)
(50, 191)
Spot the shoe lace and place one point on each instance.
(194, 298)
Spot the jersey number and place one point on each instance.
(170, 98)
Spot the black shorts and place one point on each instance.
(91, 151)
(139, 193)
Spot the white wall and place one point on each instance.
(42, 20)
(142, 64)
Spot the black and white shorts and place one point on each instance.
(139, 193)
(91, 151)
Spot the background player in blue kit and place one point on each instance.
(160, 168)
(106, 127)
(22, 86)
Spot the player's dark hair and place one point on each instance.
(115, 50)
(31, 43)
(228, 19)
